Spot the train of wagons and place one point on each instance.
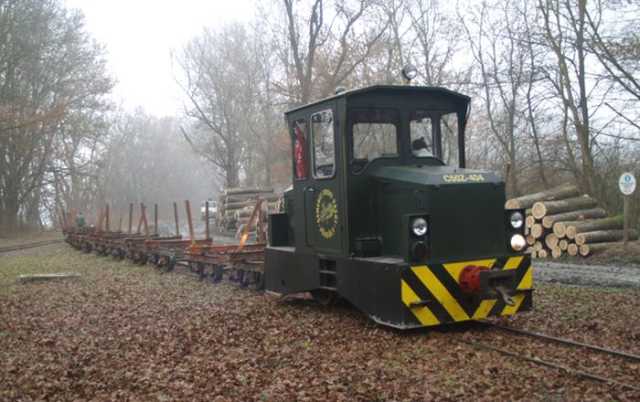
(383, 213)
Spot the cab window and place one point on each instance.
(421, 131)
(449, 133)
(374, 133)
(323, 144)
(300, 149)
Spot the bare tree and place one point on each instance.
(341, 42)
(501, 55)
(565, 33)
(219, 81)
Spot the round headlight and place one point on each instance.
(518, 242)
(409, 72)
(419, 227)
(516, 219)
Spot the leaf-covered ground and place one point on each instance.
(124, 332)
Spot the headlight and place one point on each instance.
(518, 242)
(516, 219)
(419, 227)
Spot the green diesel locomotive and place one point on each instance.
(384, 214)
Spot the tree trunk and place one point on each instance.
(602, 236)
(556, 193)
(543, 208)
(589, 249)
(573, 228)
(594, 213)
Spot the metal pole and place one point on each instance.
(130, 216)
(626, 220)
(206, 217)
(187, 206)
(155, 219)
(175, 216)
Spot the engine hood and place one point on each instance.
(433, 175)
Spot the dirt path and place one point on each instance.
(587, 275)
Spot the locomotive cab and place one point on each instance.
(384, 213)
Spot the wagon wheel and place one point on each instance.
(217, 273)
(244, 278)
(171, 264)
(201, 270)
(324, 297)
(258, 280)
(143, 259)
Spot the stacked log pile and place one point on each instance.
(236, 204)
(562, 221)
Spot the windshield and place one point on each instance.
(374, 133)
(426, 127)
(421, 130)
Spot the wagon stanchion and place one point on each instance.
(130, 217)
(106, 218)
(187, 206)
(206, 220)
(155, 219)
(175, 215)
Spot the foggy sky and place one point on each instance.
(139, 36)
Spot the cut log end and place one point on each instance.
(572, 249)
(563, 244)
(537, 230)
(559, 229)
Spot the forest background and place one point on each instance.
(555, 87)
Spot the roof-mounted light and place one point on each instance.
(409, 72)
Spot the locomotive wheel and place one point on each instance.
(324, 297)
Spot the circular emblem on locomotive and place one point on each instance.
(326, 213)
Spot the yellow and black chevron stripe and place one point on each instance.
(433, 295)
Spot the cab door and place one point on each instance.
(323, 200)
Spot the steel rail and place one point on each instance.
(536, 360)
(565, 341)
(26, 246)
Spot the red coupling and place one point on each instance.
(469, 278)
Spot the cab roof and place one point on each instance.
(378, 89)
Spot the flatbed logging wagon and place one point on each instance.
(382, 212)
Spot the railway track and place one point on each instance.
(26, 246)
(601, 362)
